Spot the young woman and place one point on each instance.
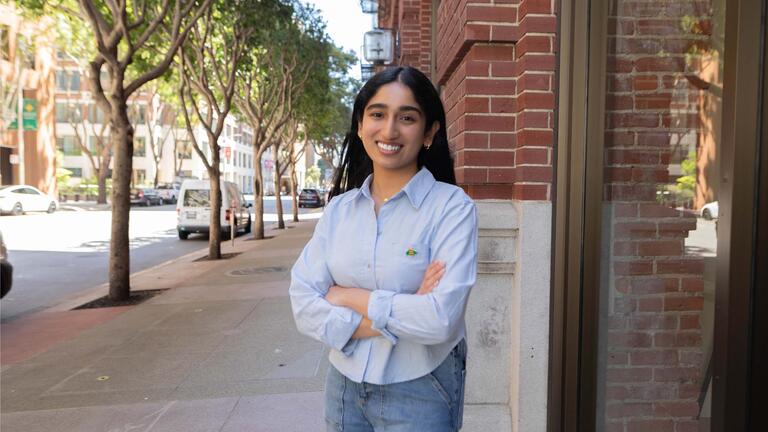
(385, 278)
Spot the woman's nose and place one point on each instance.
(391, 128)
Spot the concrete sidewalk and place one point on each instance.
(218, 351)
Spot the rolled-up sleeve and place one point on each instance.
(435, 318)
(310, 281)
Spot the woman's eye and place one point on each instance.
(408, 118)
(377, 115)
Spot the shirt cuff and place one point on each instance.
(379, 309)
(341, 325)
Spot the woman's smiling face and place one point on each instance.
(392, 128)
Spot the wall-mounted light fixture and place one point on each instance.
(369, 6)
(379, 46)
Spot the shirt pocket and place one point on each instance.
(401, 266)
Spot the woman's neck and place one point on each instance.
(389, 182)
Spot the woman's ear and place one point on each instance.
(430, 135)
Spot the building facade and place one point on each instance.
(27, 61)
(592, 136)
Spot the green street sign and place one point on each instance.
(29, 116)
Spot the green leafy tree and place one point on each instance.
(208, 65)
(135, 41)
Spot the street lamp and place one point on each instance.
(378, 46)
(369, 6)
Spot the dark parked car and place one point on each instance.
(311, 198)
(6, 269)
(146, 197)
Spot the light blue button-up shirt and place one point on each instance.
(352, 247)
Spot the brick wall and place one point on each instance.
(496, 64)
(654, 348)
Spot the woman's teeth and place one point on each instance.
(388, 147)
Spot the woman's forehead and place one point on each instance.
(393, 95)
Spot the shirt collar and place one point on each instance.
(416, 189)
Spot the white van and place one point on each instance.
(194, 208)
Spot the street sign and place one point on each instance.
(29, 116)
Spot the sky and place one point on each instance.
(346, 25)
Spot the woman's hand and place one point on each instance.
(432, 277)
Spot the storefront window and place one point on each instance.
(661, 161)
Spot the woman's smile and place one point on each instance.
(388, 148)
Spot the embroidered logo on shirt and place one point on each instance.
(410, 252)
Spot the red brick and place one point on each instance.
(653, 101)
(533, 119)
(692, 358)
(532, 156)
(490, 191)
(660, 64)
(652, 304)
(475, 140)
(536, 138)
(622, 210)
(683, 303)
(491, 13)
(658, 27)
(502, 140)
(542, 7)
(480, 32)
(657, 211)
(538, 24)
(533, 44)
(536, 100)
(660, 248)
(533, 174)
(653, 357)
(653, 139)
(531, 192)
(653, 322)
(504, 33)
(645, 82)
(653, 285)
(502, 105)
(624, 305)
(501, 175)
(676, 339)
(633, 268)
(534, 81)
(628, 409)
(693, 285)
(618, 102)
(651, 392)
(503, 69)
(476, 104)
(624, 248)
(478, 68)
(628, 375)
(683, 266)
(619, 83)
(471, 175)
(492, 52)
(622, 339)
(650, 425)
(678, 374)
(632, 120)
(487, 158)
(477, 122)
(475, 86)
(690, 322)
(634, 230)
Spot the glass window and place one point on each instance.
(68, 145)
(27, 51)
(660, 207)
(76, 172)
(197, 198)
(139, 146)
(95, 114)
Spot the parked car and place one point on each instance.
(169, 192)
(6, 269)
(311, 198)
(17, 199)
(194, 208)
(145, 197)
(710, 211)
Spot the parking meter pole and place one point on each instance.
(232, 222)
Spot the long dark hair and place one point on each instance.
(355, 163)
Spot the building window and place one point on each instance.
(139, 147)
(76, 172)
(184, 149)
(139, 176)
(95, 114)
(68, 145)
(67, 80)
(67, 112)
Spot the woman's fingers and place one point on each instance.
(432, 276)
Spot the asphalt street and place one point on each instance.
(58, 255)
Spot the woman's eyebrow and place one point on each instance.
(384, 106)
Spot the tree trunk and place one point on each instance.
(119, 252)
(278, 200)
(157, 174)
(214, 237)
(294, 197)
(258, 200)
(102, 181)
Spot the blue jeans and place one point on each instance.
(432, 403)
